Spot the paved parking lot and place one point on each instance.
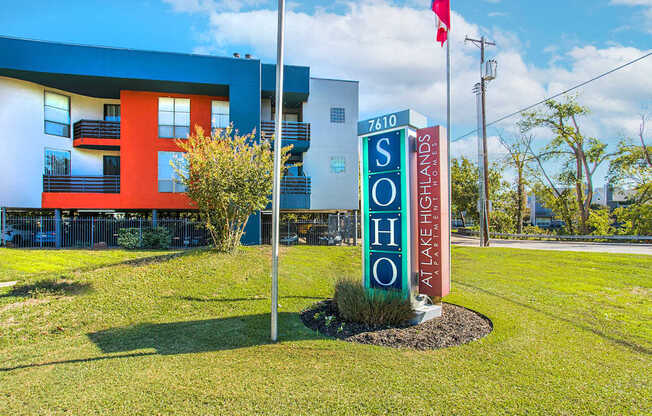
(624, 248)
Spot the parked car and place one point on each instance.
(289, 240)
(45, 237)
(18, 235)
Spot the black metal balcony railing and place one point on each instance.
(292, 130)
(96, 129)
(82, 184)
(298, 185)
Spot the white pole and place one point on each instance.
(276, 191)
(448, 147)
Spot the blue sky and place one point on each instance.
(543, 47)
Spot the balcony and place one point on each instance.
(97, 134)
(82, 184)
(295, 192)
(295, 133)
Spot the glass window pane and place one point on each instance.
(220, 107)
(165, 185)
(57, 100)
(57, 129)
(165, 131)
(182, 119)
(165, 118)
(181, 132)
(219, 121)
(57, 162)
(164, 169)
(58, 115)
(165, 104)
(182, 105)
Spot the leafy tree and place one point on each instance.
(228, 177)
(579, 155)
(632, 167)
(519, 158)
(635, 219)
(600, 222)
(465, 189)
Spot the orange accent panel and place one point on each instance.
(85, 141)
(139, 147)
(65, 200)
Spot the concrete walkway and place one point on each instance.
(623, 248)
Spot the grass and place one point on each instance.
(189, 335)
(15, 264)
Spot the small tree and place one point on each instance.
(228, 177)
(579, 155)
(519, 158)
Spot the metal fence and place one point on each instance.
(335, 230)
(90, 232)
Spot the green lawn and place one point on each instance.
(189, 335)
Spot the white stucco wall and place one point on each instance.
(332, 191)
(23, 141)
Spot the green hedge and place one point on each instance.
(156, 237)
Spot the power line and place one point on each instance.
(557, 95)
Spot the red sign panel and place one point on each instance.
(432, 222)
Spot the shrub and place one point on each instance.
(129, 238)
(157, 237)
(374, 309)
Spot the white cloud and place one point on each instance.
(646, 18)
(391, 50)
(632, 2)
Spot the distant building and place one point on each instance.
(608, 196)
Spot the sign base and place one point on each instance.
(424, 310)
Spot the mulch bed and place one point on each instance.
(456, 326)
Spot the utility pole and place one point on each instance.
(487, 73)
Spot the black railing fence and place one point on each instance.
(91, 232)
(335, 230)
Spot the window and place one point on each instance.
(219, 114)
(168, 179)
(173, 117)
(338, 164)
(57, 114)
(111, 166)
(337, 115)
(111, 112)
(57, 162)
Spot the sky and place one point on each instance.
(542, 47)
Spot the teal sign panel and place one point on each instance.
(386, 221)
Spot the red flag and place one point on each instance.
(442, 9)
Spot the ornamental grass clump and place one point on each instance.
(374, 309)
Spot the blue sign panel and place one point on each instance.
(386, 271)
(384, 152)
(385, 231)
(385, 191)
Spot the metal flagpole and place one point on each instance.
(276, 200)
(448, 143)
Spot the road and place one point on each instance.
(623, 248)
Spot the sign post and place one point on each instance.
(405, 209)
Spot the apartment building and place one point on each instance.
(93, 129)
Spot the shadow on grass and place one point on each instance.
(197, 336)
(49, 287)
(187, 337)
(628, 344)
